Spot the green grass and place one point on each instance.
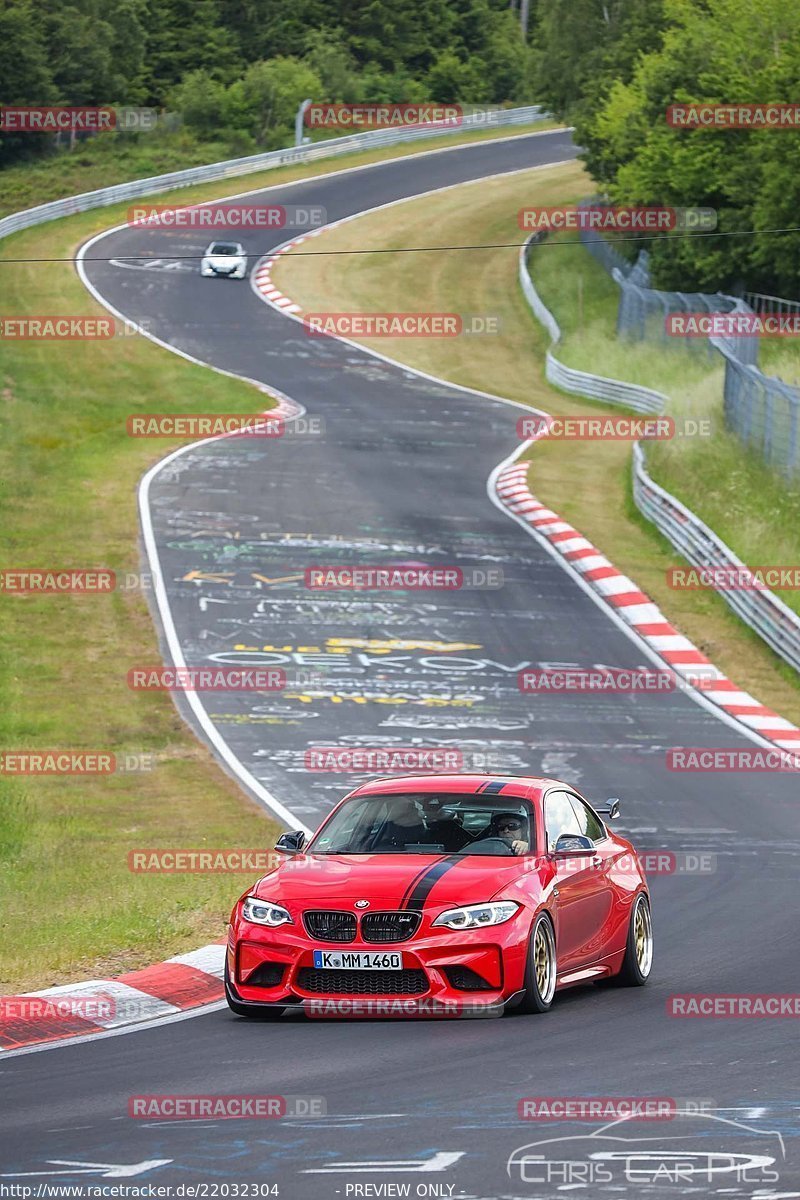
(587, 482)
(69, 904)
(781, 357)
(69, 476)
(728, 486)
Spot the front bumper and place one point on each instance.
(461, 972)
(237, 272)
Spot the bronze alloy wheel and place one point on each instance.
(544, 958)
(643, 936)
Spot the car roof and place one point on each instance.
(523, 786)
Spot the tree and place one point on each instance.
(25, 72)
(719, 52)
(183, 36)
(269, 94)
(327, 54)
(202, 101)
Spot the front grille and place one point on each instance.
(331, 926)
(363, 983)
(464, 979)
(268, 975)
(389, 926)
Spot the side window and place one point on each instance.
(559, 817)
(588, 823)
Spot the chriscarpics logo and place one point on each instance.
(695, 1152)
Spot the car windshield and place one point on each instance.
(226, 249)
(428, 823)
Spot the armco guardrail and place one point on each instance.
(760, 609)
(581, 383)
(370, 139)
(761, 409)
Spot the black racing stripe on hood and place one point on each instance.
(417, 879)
(423, 887)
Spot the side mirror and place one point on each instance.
(611, 810)
(291, 843)
(574, 843)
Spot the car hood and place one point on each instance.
(388, 880)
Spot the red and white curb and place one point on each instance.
(97, 1005)
(639, 612)
(285, 410)
(262, 275)
(616, 590)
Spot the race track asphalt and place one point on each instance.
(400, 475)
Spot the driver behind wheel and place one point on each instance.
(511, 829)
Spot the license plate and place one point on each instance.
(357, 960)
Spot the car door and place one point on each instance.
(603, 899)
(583, 892)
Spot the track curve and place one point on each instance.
(400, 475)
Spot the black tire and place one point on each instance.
(540, 984)
(638, 961)
(253, 1011)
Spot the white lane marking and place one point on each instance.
(160, 590)
(439, 1162)
(152, 264)
(192, 699)
(492, 483)
(162, 600)
(107, 1170)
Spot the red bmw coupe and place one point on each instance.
(462, 894)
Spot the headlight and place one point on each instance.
(477, 916)
(264, 912)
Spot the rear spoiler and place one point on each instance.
(611, 810)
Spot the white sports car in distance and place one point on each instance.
(224, 258)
